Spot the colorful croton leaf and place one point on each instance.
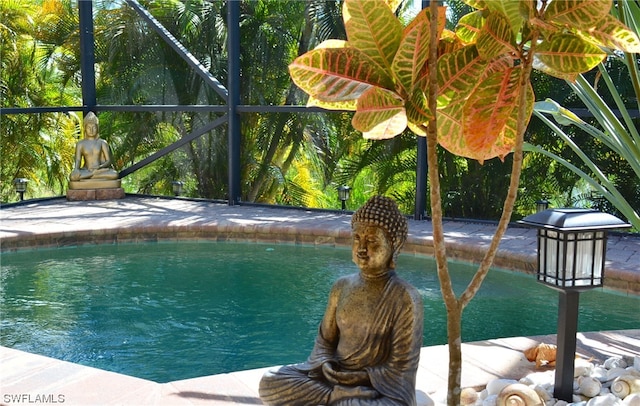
(380, 72)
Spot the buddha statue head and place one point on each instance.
(382, 212)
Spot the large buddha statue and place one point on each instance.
(368, 344)
(92, 168)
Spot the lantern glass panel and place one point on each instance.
(570, 260)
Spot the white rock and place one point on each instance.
(615, 372)
(483, 394)
(582, 367)
(589, 386)
(606, 400)
(636, 362)
(632, 400)
(600, 373)
(615, 362)
(490, 400)
(561, 403)
(546, 378)
(422, 399)
(632, 371)
(496, 385)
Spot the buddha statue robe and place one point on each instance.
(387, 346)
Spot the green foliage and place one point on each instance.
(38, 147)
(617, 137)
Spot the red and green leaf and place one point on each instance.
(487, 110)
(337, 74)
(477, 4)
(539, 65)
(373, 29)
(582, 14)
(611, 33)
(377, 106)
(569, 54)
(349, 105)
(510, 10)
(452, 137)
(414, 49)
(469, 26)
(506, 140)
(496, 37)
(458, 74)
(417, 107)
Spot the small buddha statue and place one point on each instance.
(92, 168)
(368, 344)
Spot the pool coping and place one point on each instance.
(27, 377)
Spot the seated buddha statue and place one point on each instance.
(368, 343)
(92, 168)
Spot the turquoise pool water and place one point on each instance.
(170, 311)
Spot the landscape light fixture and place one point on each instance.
(542, 205)
(343, 194)
(572, 245)
(20, 184)
(177, 185)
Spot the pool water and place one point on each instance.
(171, 311)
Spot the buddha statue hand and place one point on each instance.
(350, 378)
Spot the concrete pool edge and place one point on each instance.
(27, 377)
(55, 223)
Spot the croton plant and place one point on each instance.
(381, 73)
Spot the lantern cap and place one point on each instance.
(573, 219)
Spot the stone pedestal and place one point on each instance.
(95, 194)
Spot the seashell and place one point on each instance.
(589, 386)
(468, 396)
(632, 400)
(518, 394)
(542, 354)
(606, 400)
(625, 385)
(615, 362)
(544, 393)
(496, 385)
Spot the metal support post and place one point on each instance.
(565, 357)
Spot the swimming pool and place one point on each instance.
(169, 311)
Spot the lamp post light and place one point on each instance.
(572, 245)
(20, 185)
(542, 205)
(343, 194)
(177, 185)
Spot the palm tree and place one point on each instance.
(38, 147)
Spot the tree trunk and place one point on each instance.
(456, 306)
